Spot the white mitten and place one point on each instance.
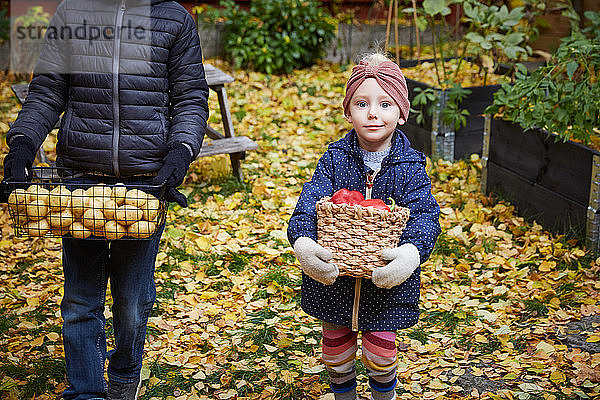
(404, 260)
(313, 258)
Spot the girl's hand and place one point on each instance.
(313, 258)
(404, 260)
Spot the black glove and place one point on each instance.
(17, 164)
(172, 173)
(18, 161)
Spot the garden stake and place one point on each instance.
(396, 30)
(387, 28)
(414, 4)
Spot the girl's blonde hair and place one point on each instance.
(375, 58)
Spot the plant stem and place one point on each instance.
(435, 57)
(443, 60)
(414, 4)
(462, 53)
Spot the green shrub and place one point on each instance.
(4, 25)
(562, 97)
(274, 36)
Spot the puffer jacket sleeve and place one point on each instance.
(188, 89)
(304, 219)
(48, 90)
(423, 226)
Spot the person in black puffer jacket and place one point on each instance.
(128, 75)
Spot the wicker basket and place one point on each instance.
(356, 235)
(54, 206)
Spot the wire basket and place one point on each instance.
(58, 204)
(356, 235)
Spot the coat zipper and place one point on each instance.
(115, 67)
(357, 285)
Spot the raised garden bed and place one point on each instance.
(555, 183)
(434, 137)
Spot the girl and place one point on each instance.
(374, 158)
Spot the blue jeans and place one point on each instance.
(87, 266)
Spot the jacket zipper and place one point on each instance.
(115, 67)
(357, 285)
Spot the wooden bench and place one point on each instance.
(227, 143)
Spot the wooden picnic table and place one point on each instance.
(221, 143)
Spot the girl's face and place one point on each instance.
(374, 115)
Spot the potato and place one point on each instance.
(136, 197)
(128, 214)
(99, 232)
(141, 229)
(114, 230)
(17, 201)
(93, 219)
(59, 231)
(60, 219)
(37, 228)
(79, 231)
(109, 208)
(59, 198)
(36, 192)
(99, 191)
(96, 203)
(119, 192)
(37, 209)
(150, 209)
(79, 201)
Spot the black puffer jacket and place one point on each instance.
(127, 97)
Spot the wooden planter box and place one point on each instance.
(555, 183)
(434, 137)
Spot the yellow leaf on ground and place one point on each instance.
(269, 348)
(545, 347)
(593, 339)
(228, 394)
(480, 338)
(547, 266)
(437, 384)
(557, 377)
(203, 243)
(33, 301)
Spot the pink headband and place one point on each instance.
(389, 77)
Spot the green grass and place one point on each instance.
(288, 258)
(7, 320)
(238, 262)
(448, 319)
(260, 294)
(492, 345)
(535, 308)
(447, 247)
(168, 290)
(42, 376)
(566, 294)
(489, 245)
(519, 343)
(222, 284)
(171, 379)
(276, 274)
(419, 334)
(228, 186)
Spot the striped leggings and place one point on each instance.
(378, 356)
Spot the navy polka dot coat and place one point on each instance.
(403, 177)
